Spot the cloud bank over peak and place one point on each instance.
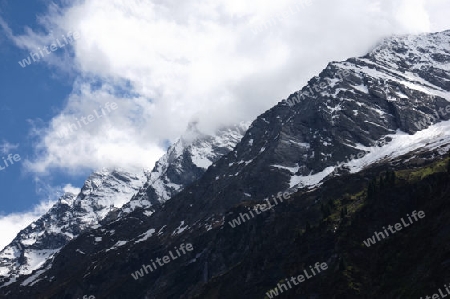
(165, 63)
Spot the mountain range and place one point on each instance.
(365, 142)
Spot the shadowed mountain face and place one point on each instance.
(376, 113)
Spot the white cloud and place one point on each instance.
(11, 224)
(71, 189)
(167, 62)
(84, 137)
(6, 147)
(412, 14)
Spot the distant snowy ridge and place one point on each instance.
(37, 243)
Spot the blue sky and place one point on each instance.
(163, 64)
(26, 95)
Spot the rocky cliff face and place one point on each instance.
(358, 104)
(364, 113)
